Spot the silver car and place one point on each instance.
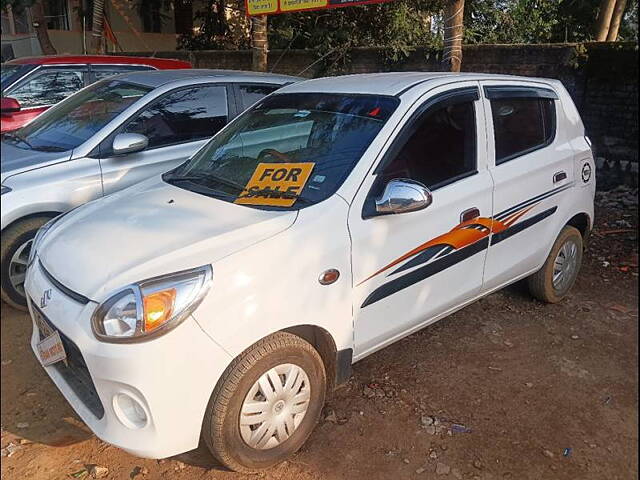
(107, 137)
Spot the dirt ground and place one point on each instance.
(507, 388)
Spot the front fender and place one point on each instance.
(274, 285)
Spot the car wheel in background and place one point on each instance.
(559, 272)
(266, 404)
(16, 244)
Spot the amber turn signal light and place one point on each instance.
(158, 308)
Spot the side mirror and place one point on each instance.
(129, 143)
(402, 195)
(9, 106)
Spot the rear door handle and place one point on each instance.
(469, 214)
(559, 176)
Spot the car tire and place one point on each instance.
(558, 274)
(15, 239)
(240, 386)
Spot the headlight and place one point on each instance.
(152, 307)
(4, 189)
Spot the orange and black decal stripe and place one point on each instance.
(462, 242)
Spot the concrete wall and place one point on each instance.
(602, 78)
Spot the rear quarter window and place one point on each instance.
(522, 125)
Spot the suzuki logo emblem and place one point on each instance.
(46, 296)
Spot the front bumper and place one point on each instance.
(170, 378)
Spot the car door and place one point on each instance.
(410, 268)
(44, 87)
(177, 124)
(532, 167)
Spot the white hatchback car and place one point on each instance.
(224, 299)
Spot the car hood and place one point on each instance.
(15, 160)
(147, 230)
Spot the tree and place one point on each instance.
(38, 18)
(453, 33)
(603, 20)
(259, 43)
(616, 19)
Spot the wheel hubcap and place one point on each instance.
(275, 406)
(18, 267)
(564, 266)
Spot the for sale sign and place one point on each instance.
(267, 7)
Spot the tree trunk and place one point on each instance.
(40, 25)
(97, 43)
(604, 19)
(453, 33)
(616, 19)
(259, 43)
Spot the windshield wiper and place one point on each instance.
(283, 195)
(17, 137)
(207, 176)
(49, 148)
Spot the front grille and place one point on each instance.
(75, 371)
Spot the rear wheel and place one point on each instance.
(266, 404)
(559, 272)
(16, 245)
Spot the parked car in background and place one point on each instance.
(223, 299)
(30, 85)
(106, 137)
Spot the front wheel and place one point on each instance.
(558, 274)
(266, 404)
(16, 245)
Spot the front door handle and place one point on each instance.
(559, 176)
(469, 214)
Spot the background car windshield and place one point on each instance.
(330, 131)
(75, 120)
(9, 73)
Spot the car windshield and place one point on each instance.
(288, 151)
(76, 119)
(10, 73)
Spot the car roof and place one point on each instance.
(162, 77)
(393, 83)
(163, 63)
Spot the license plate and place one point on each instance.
(51, 350)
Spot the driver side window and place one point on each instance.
(440, 149)
(186, 115)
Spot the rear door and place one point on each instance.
(531, 163)
(177, 124)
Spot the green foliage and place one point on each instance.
(538, 21)
(398, 27)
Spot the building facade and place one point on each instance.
(130, 25)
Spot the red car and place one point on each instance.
(30, 85)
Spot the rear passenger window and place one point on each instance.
(186, 115)
(441, 150)
(250, 94)
(521, 125)
(104, 71)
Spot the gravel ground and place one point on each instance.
(507, 388)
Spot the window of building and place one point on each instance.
(56, 13)
(151, 13)
(521, 125)
(186, 115)
(441, 149)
